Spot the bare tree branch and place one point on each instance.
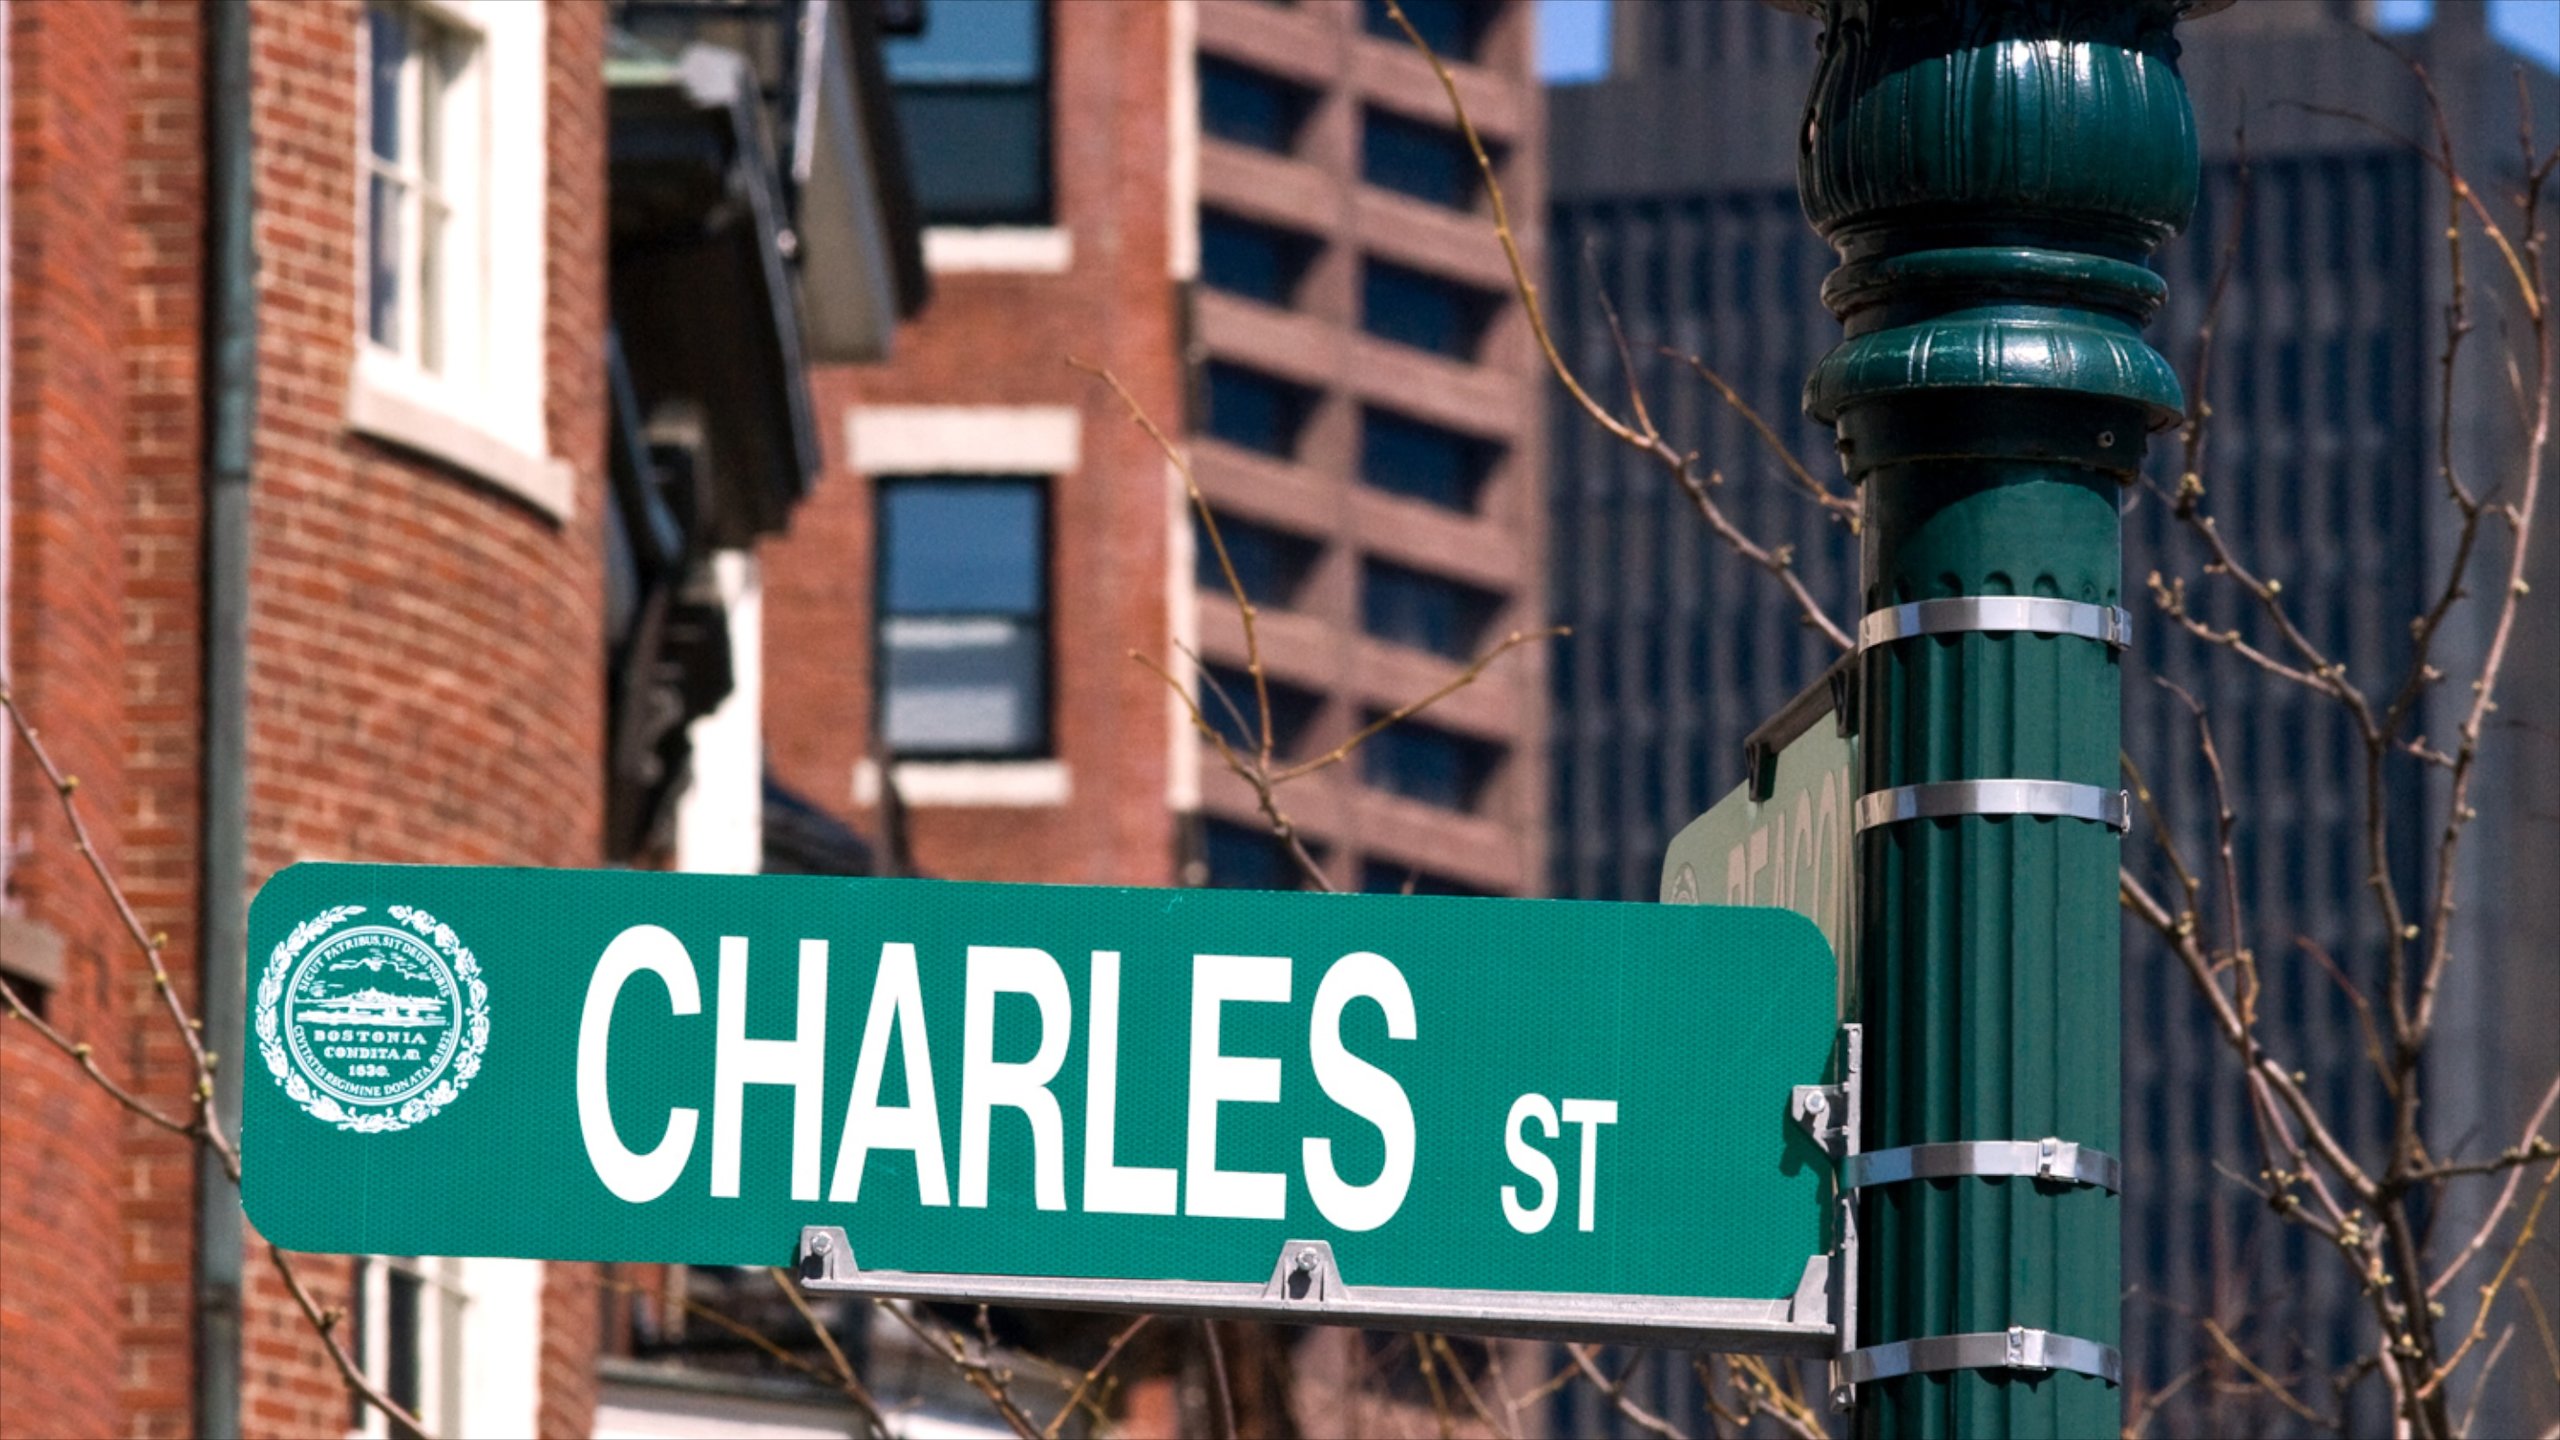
(324, 1323)
(2263, 1380)
(1093, 1376)
(1614, 1390)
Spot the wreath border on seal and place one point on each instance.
(474, 993)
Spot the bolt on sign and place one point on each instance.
(1527, 1116)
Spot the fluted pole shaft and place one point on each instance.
(1993, 173)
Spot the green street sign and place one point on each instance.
(1523, 1116)
(1786, 837)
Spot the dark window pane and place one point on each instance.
(1424, 611)
(973, 111)
(1259, 262)
(1386, 877)
(1424, 311)
(1247, 857)
(963, 646)
(1427, 162)
(977, 155)
(382, 270)
(1426, 763)
(400, 1344)
(387, 30)
(1271, 564)
(1256, 411)
(1453, 28)
(1236, 716)
(1409, 457)
(961, 547)
(1249, 107)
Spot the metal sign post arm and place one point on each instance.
(1992, 173)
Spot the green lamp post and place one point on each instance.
(1992, 173)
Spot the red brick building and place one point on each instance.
(438, 568)
(1068, 767)
(1260, 219)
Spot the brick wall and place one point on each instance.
(425, 652)
(411, 631)
(163, 260)
(1005, 339)
(59, 1167)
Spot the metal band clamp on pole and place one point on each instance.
(2046, 1159)
(2016, 1348)
(2109, 624)
(1944, 799)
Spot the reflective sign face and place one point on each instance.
(1795, 848)
(1032, 1081)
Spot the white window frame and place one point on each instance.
(444, 1308)
(479, 1344)
(896, 441)
(481, 409)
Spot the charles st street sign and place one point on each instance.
(1522, 1116)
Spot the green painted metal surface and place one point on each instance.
(1992, 173)
(483, 1061)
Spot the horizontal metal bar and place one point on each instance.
(1306, 1289)
(2016, 1348)
(2046, 1159)
(2108, 624)
(1944, 799)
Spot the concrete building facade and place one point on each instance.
(1369, 433)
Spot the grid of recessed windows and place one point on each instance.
(1272, 565)
(972, 93)
(1227, 700)
(1248, 258)
(1422, 310)
(1421, 761)
(1248, 857)
(1426, 611)
(1412, 157)
(1423, 461)
(1256, 411)
(964, 633)
(1455, 29)
(1252, 107)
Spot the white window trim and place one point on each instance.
(963, 784)
(495, 430)
(906, 440)
(479, 1344)
(965, 439)
(999, 249)
(720, 816)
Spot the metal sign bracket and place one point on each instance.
(1306, 1285)
(1830, 1114)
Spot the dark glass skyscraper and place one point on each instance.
(1673, 196)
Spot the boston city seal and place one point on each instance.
(372, 1025)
